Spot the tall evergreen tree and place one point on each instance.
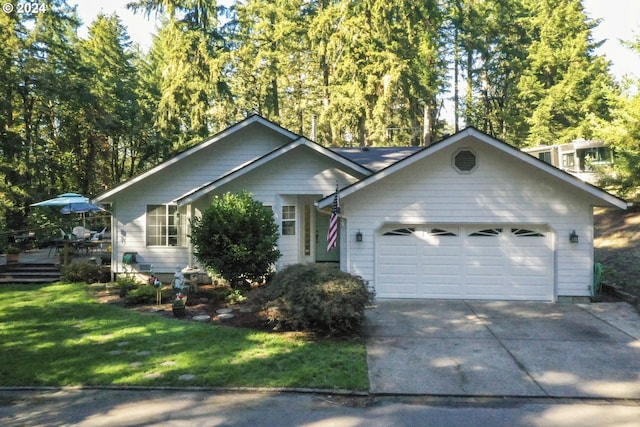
(190, 54)
(113, 83)
(11, 141)
(565, 80)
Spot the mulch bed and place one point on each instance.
(244, 315)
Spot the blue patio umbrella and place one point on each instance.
(66, 199)
(71, 203)
(81, 208)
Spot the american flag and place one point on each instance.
(332, 233)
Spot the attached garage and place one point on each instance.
(465, 261)
(471, 217)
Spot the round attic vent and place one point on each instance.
(464, 161)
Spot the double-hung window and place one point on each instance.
(166, 225)
(288, 220)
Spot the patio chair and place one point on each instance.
(64, 235)
(99, 235)
(81, 233)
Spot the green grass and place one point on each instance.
(56, 335)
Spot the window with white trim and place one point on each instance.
(289, 220)
(166, 225)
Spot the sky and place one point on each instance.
(621, 21)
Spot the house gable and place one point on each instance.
(273, 161)
(472, 137)
(237, 145)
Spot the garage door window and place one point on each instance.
(487, 232)
(442, 232)
(407, 231)
(522, 232)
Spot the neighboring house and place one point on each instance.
(468, 217)
(577, 157)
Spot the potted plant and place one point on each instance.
(13, 254)
(179, 306)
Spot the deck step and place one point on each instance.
(30, 273)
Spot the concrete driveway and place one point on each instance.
(471, 348)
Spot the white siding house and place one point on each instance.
(469, 217)
(151, 213)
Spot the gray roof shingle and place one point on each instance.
(376, 158)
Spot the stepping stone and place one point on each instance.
(186, 377)
(143, 353)
(204, 299)
(115, 352)
(168, 363)
(201, 318)
(224, 310)
(123, 343)
(152, 375)
(135, 364)
(225, 316)
(245, 310)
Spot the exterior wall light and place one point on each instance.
(358, 236)
(573, 237)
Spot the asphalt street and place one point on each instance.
(94, 408)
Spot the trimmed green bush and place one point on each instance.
(143, 294)
(85, 272)
(236, 237)
(125, 283)
(317, 298)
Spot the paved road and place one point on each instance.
(94, 408)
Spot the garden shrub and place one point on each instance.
(317, 298)
(143, 294)
(85, 272)
(126, 283)
(236, 237)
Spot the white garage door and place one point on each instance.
(505, 262)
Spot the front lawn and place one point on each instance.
(56, 335)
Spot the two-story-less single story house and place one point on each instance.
(469, 217)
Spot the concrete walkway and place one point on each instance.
(465, 348)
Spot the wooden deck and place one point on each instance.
(42, 265)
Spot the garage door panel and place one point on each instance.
(443, 292)
(529, 270)
(495, 263)
(442, 251)
(441, 270)
(483, 251)
(398, 250)
(400, 292)
(527, 291)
